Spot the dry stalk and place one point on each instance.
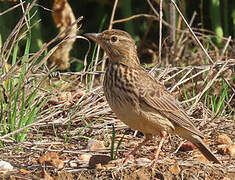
(11, 8)
(110, 27)
(209, 84)
(23, 10)
(191, 31)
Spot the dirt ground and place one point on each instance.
(71, 145)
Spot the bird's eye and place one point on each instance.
(114, 38)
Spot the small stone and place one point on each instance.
(187, 146)
(99, 159)
(5, 166)
(72, 164)
(95, 145)
(85, 157)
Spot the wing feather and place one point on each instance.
(155, 98)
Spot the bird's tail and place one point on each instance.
(204, 149)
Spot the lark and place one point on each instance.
(139, 100)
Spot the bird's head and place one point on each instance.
(118, 44)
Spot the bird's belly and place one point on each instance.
(142, 121)
(127, 109)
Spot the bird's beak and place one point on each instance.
(93, 36)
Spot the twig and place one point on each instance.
(25, 18)
(134, 17)
(11, 8)
(225, 47)
(198, 97)
(172, 22)
(113, 14)
(160, 32)
(183, 81)
(110, 27)
(95, 65)
(13, 35)
(195, 37)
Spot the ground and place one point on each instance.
(76, 117)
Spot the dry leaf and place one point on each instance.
(63, 17)
(24, 171)
(201, 158)
(48, 157)
(174, 169)
(170, 160)
(224, 139)
(57, 163)
(53, 159)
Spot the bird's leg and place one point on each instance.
(163, 136)
(147, 138)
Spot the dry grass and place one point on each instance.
(77, 111)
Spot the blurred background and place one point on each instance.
(215, 20)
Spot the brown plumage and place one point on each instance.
(138, 99)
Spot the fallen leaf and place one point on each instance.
(63, 17)
(57, 163)
(224, 139)
(201, 158)
(52, 158)
(174, 169)
(24, 171)
(48, 157)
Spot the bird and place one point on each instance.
(138, 99)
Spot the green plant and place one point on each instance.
(20, 101)
(217, 102)
(112, 155)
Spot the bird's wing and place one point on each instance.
(154, 97)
